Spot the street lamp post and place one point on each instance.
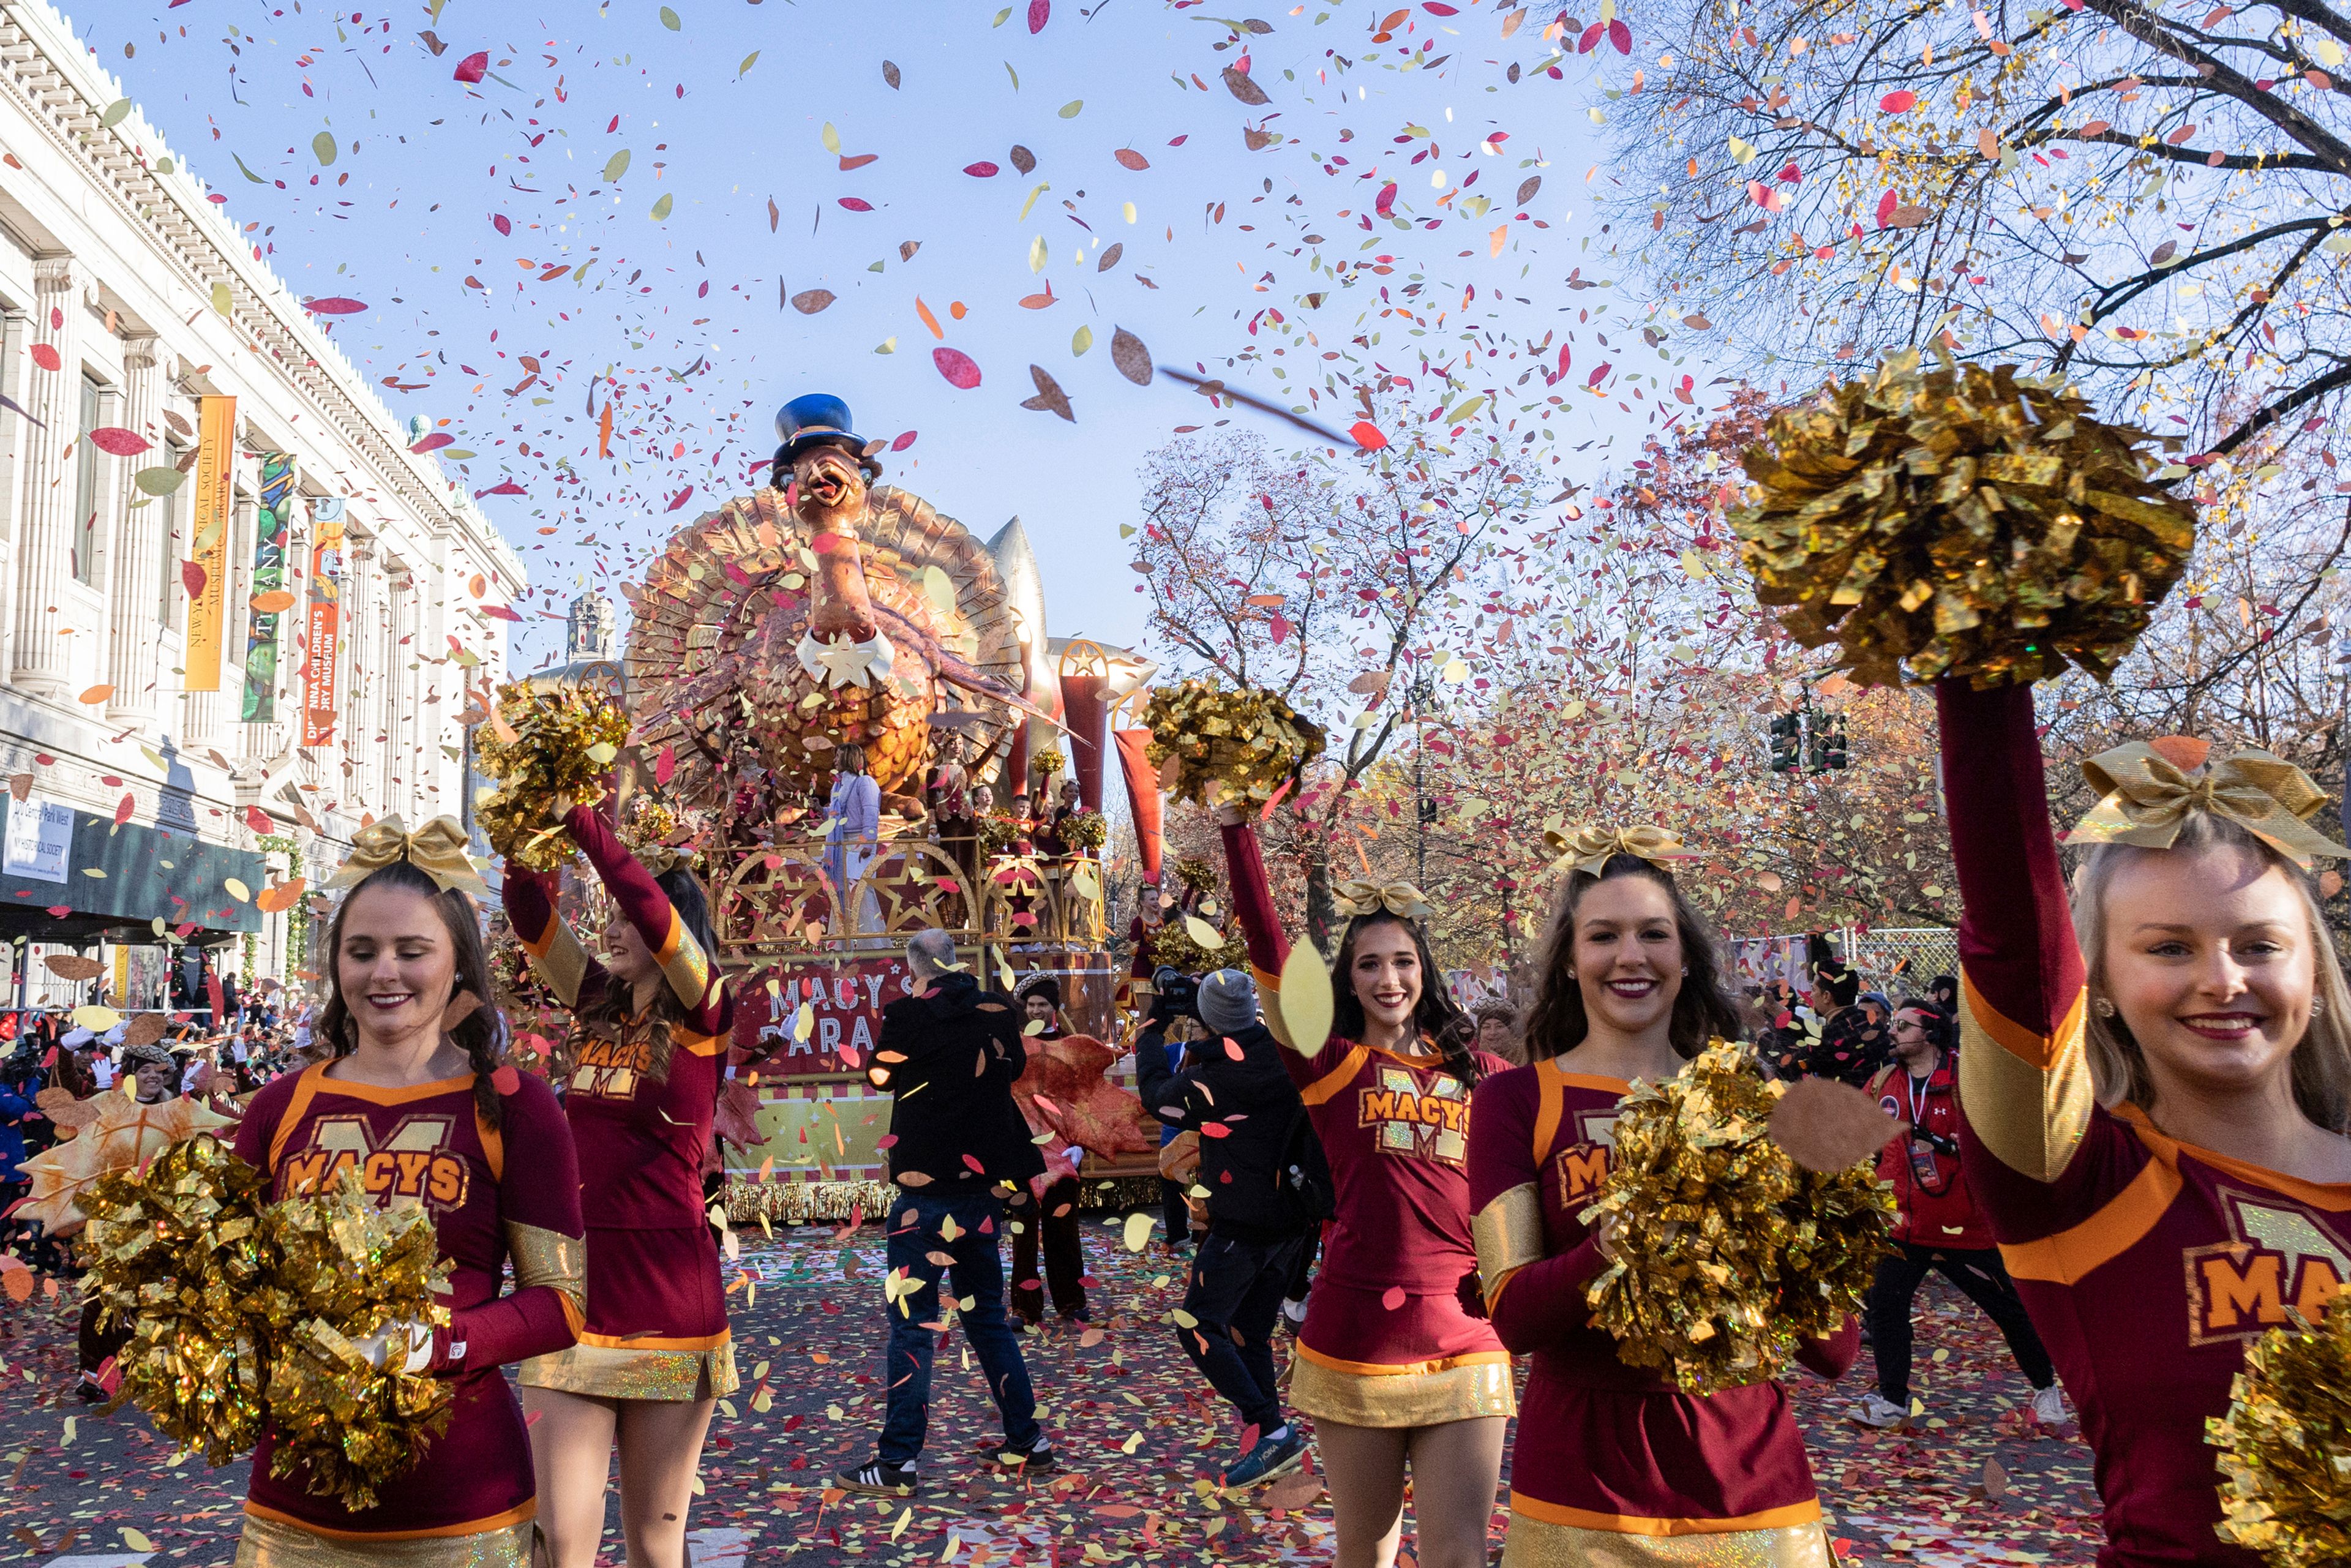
(1419, 691)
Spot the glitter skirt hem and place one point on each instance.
(609, 1372)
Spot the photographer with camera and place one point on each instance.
(1938, 1228)
(1267, 1187)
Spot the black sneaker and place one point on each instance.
(1272, 1457)
(879, 1480)
(1036, 1459)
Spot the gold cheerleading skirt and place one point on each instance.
(277, 1544)
(1536, 1542)
(1423, 1362)
(636, 1371)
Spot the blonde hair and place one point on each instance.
(2322, 1058)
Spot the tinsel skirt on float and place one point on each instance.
(1423, 1363)
(656, 1322)
(1626, 1477)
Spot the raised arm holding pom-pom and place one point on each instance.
(1389, 1363)
(2156, 1080)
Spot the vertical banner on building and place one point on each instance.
(323, 633)
(273, 536)
(205, 572)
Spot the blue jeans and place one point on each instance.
(975, 1272)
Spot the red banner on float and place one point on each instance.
(844, 1003)
(1142, 795)
(323, 634)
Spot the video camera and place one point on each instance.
(1175, 994)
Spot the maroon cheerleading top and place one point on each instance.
(1600, 1444)
(497, 1195)
(641, 1142)
(1394, 1126)
(2146, 1264)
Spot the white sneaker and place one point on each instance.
(2049, 1406)
(1873, 1409)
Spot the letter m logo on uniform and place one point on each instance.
(1407, 1120)
(415, 1164)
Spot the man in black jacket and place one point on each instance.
(1262, 1210)
(957, 1149)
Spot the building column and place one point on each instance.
(132, 632)
(358, 793)
(44, 561)
(398, 695)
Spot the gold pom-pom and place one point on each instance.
(1047, 762)
(1239, 745)
(350, 1269)
(1960, 522)
(1726, 1252)
(179, 1251)
(996, 831)
(541, 745)
(1085, 831)
(2285, 1446)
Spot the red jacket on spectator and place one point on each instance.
(1936, 1210)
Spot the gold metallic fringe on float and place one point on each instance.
(2285, 1445)
(1960, 521)
(178, 1251)
(1247, 741)
(538, 745)
(349, 1269)
(799, 1202)
(1726, 1254)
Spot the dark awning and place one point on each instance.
(149, 873)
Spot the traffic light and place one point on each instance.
(1787, 741)
(1829, 743)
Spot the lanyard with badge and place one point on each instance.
(1924, 1170)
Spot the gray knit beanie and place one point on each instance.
(1228, 1001)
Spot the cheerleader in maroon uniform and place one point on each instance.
(653, 1022)
(2158, 1134)
(420, 1112)
(1391, 1363)
(1612, 1464)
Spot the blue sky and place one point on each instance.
(678, 318)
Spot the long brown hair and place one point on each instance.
(611, 1014)
(1703, 1009)
(1434, 1016)
(2322, 1058)
(477, 1033)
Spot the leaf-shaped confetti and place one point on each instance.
(1070, 110)
(1133, 359)
(1305, 1000)
(1050, 398)
(1022, 160)
(336, 305)
(890, 74)
(159, 481)
(117, 442)
(116, 113)
(1526, 189)
(1039, 11)
(616, 165)
(960, 369)
(274, 601)
(661, 207)
(1901, 102)
(1110, 257)
(669, 19)
(472, 67)
(323, 147)
(1128, 158)
(1368, 435)
(45, 356)
(982, 170)
(433, 442)
(808, 302)
(1239, 84)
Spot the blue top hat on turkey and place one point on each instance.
(815, 419)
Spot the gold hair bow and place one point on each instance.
(1588, 850)
(438, 849)
(659, 858)
(2146, 798)
(1401, 899)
